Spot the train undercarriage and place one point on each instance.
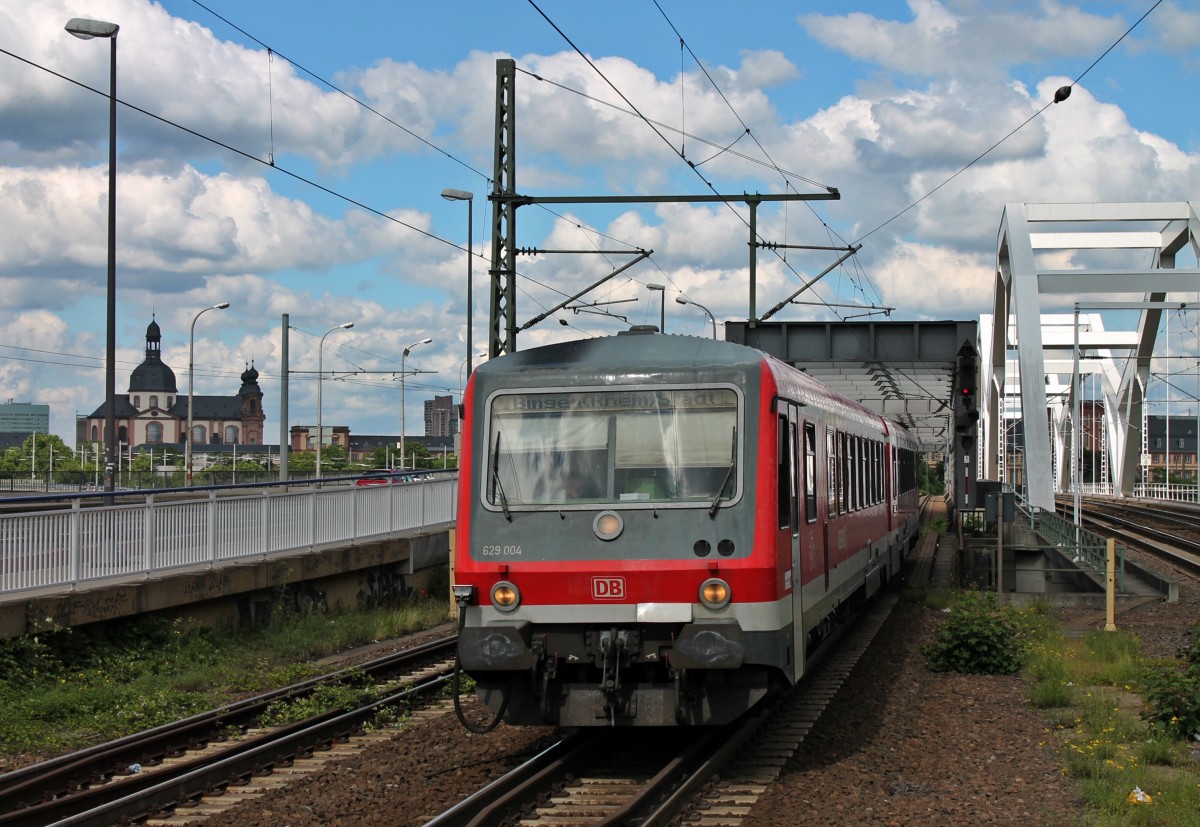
(647, 675)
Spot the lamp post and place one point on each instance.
(662, 312)
(461, 365)
(86, 29)
(187, 443)
(682, 300)
(320, 376)
(469, 197)
(404, 356)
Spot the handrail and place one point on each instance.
(68, 545)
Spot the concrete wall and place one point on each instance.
(245, 592)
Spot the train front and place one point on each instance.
(606, 569)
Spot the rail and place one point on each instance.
(68, 541)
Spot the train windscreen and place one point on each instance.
(580, 447)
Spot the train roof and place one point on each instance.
(634, 350)
(590, 361)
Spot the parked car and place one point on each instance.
(392, 477)
(382, 478)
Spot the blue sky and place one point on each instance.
(884, 101)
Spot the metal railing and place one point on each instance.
(82, 539)
(1083, 547)
(65, 482)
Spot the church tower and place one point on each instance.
(252, 410)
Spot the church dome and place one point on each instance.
(152, 375)
(249, 381)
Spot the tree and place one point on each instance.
(304, 461)
(49, 449)
(932, 479)
(416, 455)
(381, 456)
(333, 457)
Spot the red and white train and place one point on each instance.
(656, 530)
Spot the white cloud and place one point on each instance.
(198, 224)
(980, 41)
(962, 283)
(764, 68)
(178, 70)
(168, 225)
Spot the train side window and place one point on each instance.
(868, 471)
(874, 472)
(785, 442)
(879, 466)
(855, 476)
(848, 465)
(869, 462)
(860, 477)
(831, 470)
(797, 475)
(810, 472)
(844, 475)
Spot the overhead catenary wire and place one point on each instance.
(329, 84)
(391, 218)
(638, 113)
(268, 163)
(1060, 95)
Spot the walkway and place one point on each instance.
(933, 560)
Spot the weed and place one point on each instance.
(346, 694)
(1173, 693)
(1103, 741)
(980, 637)
(1049, 694)
(67, 689)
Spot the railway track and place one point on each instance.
(624, 776)
(145, 775)
(1168, 531)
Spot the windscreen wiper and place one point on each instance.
(498, 487)
(716, 503)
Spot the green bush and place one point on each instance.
(979, 637)
(937, 525)
(1173, 693)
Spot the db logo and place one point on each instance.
(608, 588)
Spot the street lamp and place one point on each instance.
(404, 356)
(682, 300)
(86, 29)
(662, 313)
(469, 197)
(187, 443)
(320, 376)
(461, 365)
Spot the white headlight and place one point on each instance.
(608, 525)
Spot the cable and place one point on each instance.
(344, 93)
(668, 128)
(271, 52)
(1060, 95)
(695, 169)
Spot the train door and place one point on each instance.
(833, 491)
(789, 486)
(811, 534)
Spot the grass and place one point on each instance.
(1090, 688)
(62, 690)
(1097, 694)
